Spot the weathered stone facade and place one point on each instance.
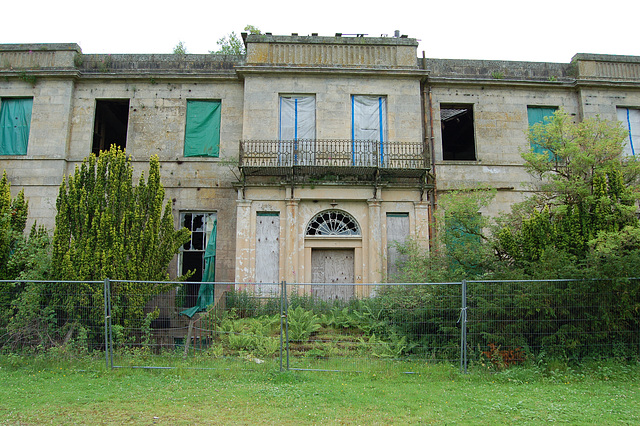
(414, 94)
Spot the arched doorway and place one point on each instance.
(332, 268)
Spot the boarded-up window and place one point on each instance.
(15, 123)
(397, 234)
(267, 252)
(368, 129)
(540, 115)
(202, 131)
(458, 139)
(630, 119)
(297, 131)
(110, 125)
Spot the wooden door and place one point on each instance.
(267, 253)
(397, 233)
(332, 266)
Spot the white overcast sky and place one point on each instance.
(535, 30)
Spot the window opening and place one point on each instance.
(458, 139)
(541, 115)
(333, 222)
(630, 119)
(197, 254)
(202, 131)
(111, 122)
(15, 124)
(368, 129)
(297, 131)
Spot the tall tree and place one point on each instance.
(585, 186)
(108, 228)
(460, 249)
(13, 219)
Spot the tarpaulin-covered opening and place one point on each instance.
(368, 129)
(630, 119)
(540, 115)
(15, 123)
(204, 230)
(202, 131)
(297, 130)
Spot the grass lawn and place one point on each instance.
(241, 392)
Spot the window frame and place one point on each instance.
(213, 217)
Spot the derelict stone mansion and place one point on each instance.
(309, 156)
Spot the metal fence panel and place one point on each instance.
(380, 323)
(320, 327)
(510, 322)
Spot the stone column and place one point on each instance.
(292, 272)
(373, 271)
(421, 231)
(244, 272)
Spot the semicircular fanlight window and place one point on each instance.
(333, 222)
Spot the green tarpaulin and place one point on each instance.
(15, 120)
(202, 133)
(205, 294)
(538, 115)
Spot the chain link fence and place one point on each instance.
(316, 327)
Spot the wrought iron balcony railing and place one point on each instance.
(272, 157)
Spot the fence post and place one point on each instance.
(463, 329)
(281, 320)
(286, 321)
(108, 337)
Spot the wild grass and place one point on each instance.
(45, 390)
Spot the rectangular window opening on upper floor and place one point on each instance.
(368, 130)
(458, 136)
(542, 115)
(202, 130)
(15, 124)
(297, 130)
(111, 124)
(630, 118)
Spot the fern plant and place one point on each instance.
(302, 324)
